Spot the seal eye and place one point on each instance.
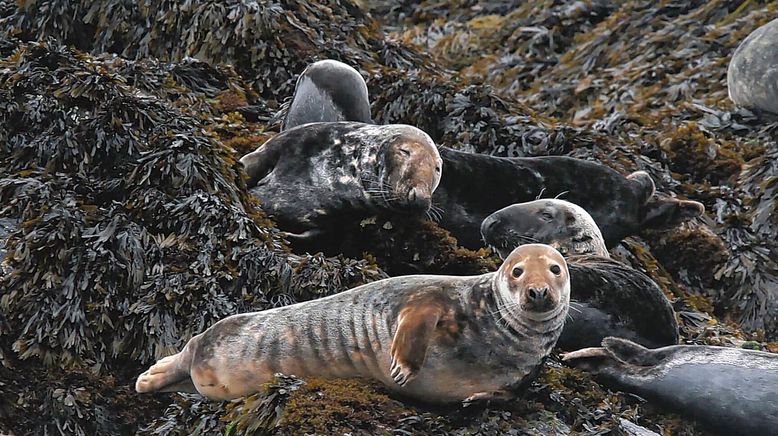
(555, 269)
(517, 272)
(405, 152)
(547, 216)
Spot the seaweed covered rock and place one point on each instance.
(136, 230)
(128, 226)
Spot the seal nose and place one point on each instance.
(489, 224)
(538, 295)
(417, 198)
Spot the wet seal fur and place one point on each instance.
(621, 206)
(731, 390)
(558, 223)
(438, 339)
(328, 90)
(752, 75)
(608, 298)
(315, 175)
(475, 185)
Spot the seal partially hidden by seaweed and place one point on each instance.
(752, 76)
(732, 390)
(437, 339)
(332, 171)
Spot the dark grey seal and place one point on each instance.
(559, 223)
(315, 175)
(328, 90)
(731, 390)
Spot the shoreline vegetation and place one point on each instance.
(129, 226)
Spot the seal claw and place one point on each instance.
(401, 374)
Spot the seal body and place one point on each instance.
(558, 223)
(316, 174)
(621, 206)
(475, 185)
(731, 390)
(433, 338)
(328, 90)
(608, 298)
(752, 76)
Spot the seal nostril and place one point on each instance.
(538, 294)
(489, 224)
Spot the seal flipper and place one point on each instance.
(629, 352)
(645, 184)
(169, 374)
(260, 162)
(415, 327)
(663, 211)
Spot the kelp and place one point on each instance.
(128, 227)
(132, 218)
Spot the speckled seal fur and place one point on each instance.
(731, 390)
(316, 174)
(438, 339)
(752, 76)
(475, 185)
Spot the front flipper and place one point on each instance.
(415, 327)
(498, 395)
(260, 162)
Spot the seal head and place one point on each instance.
(534, 283)
(408, 170)
(328, 90)
(558, 223)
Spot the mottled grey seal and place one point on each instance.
(558, 223)
(731, 390)
(752, 76)
(475, 185)
(436, 339)
(317, 174)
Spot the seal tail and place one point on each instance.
(169, 374)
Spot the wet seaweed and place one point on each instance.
(128, 227)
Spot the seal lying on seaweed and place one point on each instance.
(475, 185)
(732, 390)
(341, 169)
(437, 339)
(607, 298)
(559, 223)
